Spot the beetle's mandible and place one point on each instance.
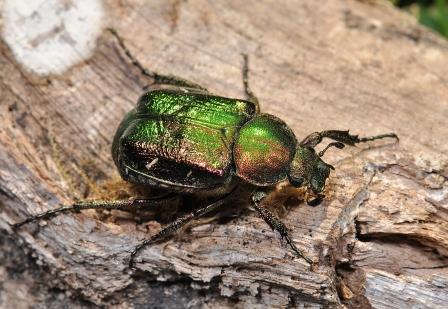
(186, 140)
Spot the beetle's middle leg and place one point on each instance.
(158, 78)
(275, 223)
(178, 223)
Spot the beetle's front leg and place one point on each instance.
(275, 223)
(158, 78)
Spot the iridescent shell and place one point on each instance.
(181, 139)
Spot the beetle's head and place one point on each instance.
(308, 169)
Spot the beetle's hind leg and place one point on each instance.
(129, 204)
(158, 78)
(275, 223)
(343, 137)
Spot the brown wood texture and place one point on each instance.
(379, 237)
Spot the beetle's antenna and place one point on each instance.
(338, 145)
(344, 137)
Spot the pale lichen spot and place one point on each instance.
(50, 36)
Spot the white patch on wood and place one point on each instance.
(50, 36)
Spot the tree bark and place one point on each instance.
(380, 235)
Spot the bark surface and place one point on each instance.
(380, 236)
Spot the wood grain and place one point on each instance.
(380, 236)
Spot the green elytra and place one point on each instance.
(186, 140)
(190, 132)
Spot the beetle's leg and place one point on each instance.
(177, 224)
(341, 136)
(158, 78)
(275, 223)
(100, 204)
(249, 94)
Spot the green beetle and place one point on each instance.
(185, 140)
(190, 141)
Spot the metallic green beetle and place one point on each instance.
(186, 140)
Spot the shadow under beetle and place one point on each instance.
(189, 141)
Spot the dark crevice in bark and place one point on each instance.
(390, 238)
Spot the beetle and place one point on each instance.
(185, 140)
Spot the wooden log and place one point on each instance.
(380, 236)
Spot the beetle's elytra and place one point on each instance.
(188, 133)
(188, 141)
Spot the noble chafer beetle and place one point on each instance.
(186, 140)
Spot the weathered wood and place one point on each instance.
(380, 236)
